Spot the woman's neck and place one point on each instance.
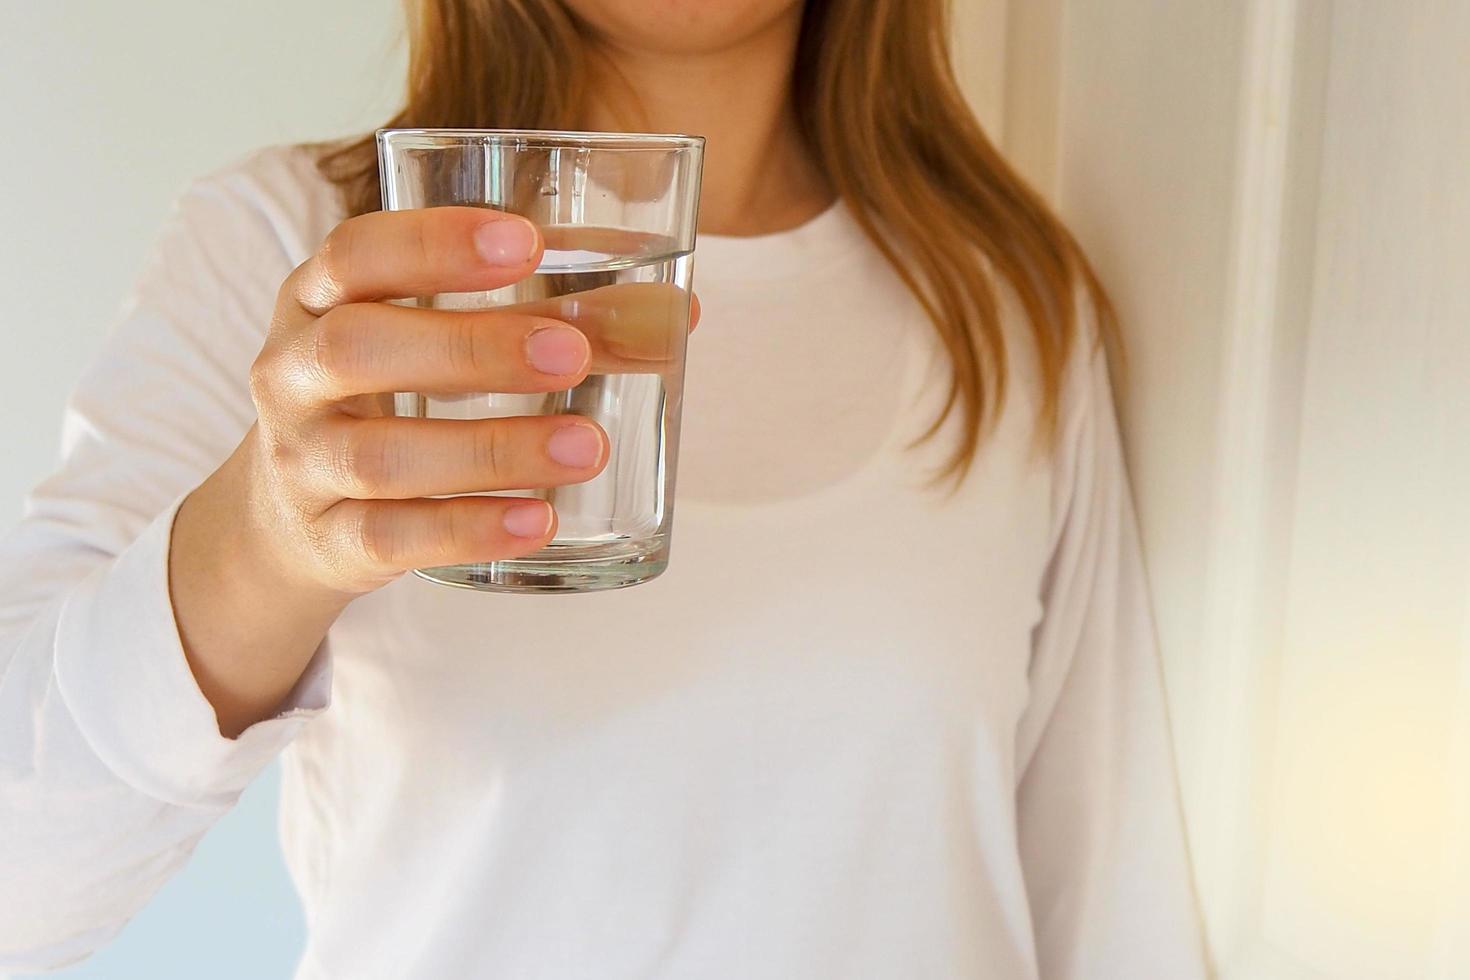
(758, 175)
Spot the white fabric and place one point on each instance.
(860, 728)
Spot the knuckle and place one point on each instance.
(364, 463)
(281, 454)
(423, 248)
(324, 544)
(465, 347)
(379, 538)
(447, 534)
(489, 451)
(335, 257)
(336, 351)
(274, 381)
(262, 380)
(288, 295)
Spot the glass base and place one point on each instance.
(550, 572)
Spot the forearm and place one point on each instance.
(113, 759)
(248, 626)
(83, 848)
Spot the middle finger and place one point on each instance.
(369, 348)
(403, 458)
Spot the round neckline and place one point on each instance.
(819, 241)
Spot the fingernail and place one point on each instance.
(557, 350)
(528, 520)
(508, 241)
(575, 445)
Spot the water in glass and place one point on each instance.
(628, 292)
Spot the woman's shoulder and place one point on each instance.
(1075, 361)
(277, 189)
(232, 236)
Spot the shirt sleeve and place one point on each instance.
(1101, 836)
(112, 765)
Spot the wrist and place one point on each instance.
(248, 620)
(261, 550)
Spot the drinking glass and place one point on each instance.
(617, 212)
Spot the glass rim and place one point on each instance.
(539, 138)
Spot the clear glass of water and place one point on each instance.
(618, 214)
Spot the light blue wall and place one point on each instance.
(104, 136)
(231, 914)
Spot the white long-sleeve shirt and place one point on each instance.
(860, 728)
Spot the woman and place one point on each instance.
(870, 723)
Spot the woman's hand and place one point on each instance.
(339, 485)
(327, 496)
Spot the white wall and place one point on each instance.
(1276, 192)
(1365, 871)
(110, 108)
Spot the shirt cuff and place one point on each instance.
(121, 670)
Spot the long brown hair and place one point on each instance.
(881, 113)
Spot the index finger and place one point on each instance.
(401, 254)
